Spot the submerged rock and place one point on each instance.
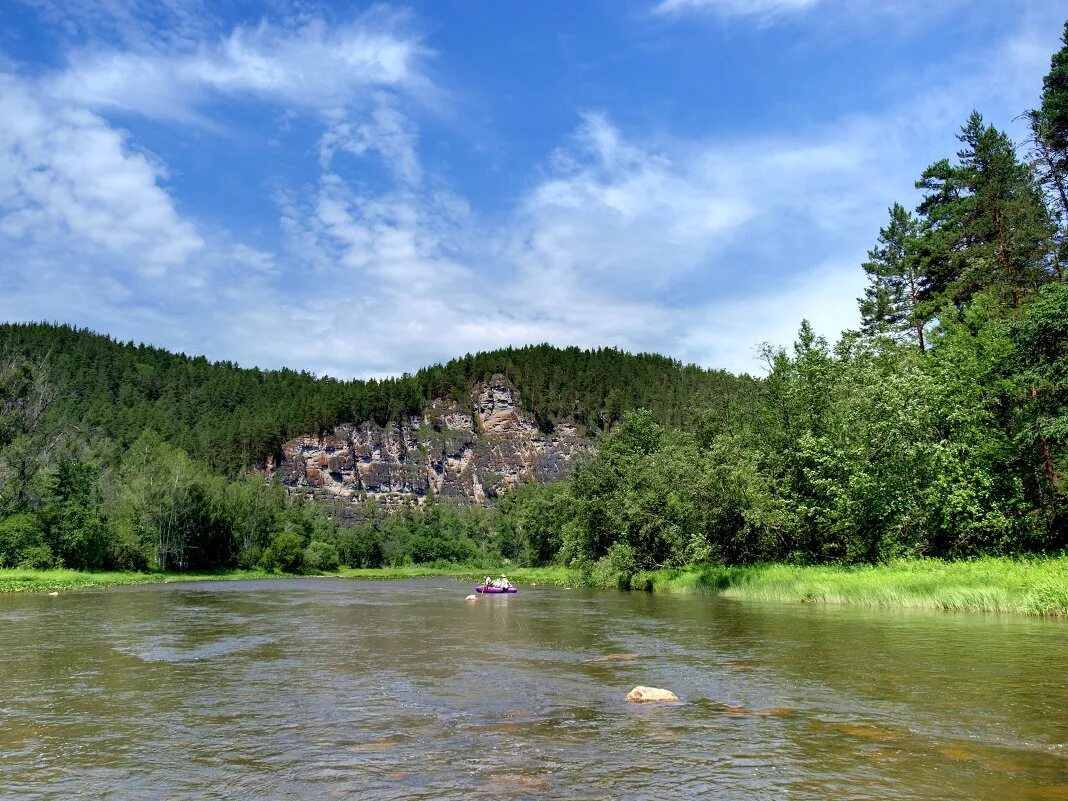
(611, 658)
(647, 694)
(471, 598)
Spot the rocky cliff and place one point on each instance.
(463, 454)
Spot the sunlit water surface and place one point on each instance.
(327, 688)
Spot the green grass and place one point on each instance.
(60, 579)
(28, 580)
(1036, 586)
(517, 575)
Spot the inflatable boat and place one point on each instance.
(485, 589)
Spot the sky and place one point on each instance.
(362, 190)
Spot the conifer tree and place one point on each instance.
(986, 225)
(1049, 129)
(891, 298)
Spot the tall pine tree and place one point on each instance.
(891, 299)
(1049, 128)
(986, 226)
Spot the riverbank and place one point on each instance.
(556, 575)
(1037, 586)
(60, 579)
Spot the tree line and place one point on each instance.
(228, 417)
(117, 455)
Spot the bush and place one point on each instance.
(268, 561)
(622, 558)
(285, 553)
(37, 557)
(359, 547)
(20, 539)
(320, 556)
(126, 550)
(603, 573)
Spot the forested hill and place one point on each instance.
(227, 417)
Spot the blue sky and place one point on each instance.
(363, 189)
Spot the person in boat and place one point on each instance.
(503, 582)
(488, 582)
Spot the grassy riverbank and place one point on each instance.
(27, 580)
(61, 579)
(1020, 586)
(561, 576)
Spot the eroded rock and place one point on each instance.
(462, 455)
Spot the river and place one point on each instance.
(328, 688)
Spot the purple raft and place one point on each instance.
(485, 589)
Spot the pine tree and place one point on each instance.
(986, 226)
(891, 298)
(1049, 129)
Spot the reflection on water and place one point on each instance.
(322, 688)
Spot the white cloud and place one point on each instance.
(146, 24)
(699, 248)
(311, 67)
(386, 131)
(728, 331)
(591, 255)
(88, 229)
(613, 210)
(823, 16)
(67, 177)
(633, 220)
(747, 8)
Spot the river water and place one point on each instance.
(327, 688)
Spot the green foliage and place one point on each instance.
(22, 541)
(285, 552)
(891, 300)
(72, 513)
(321, 556)
(227, 417)
(985, 225)
(1054, 108)
(1049, 129)
(1021, 586)
(530, 522)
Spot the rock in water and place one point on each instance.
(471, 598)
(640, 693)
(53, 593)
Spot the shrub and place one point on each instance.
(126, 550)
(20, 534)
(37, 557)
(320, 556)
(285, 553)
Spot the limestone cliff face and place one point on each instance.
(464, 455)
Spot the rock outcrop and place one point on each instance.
(461, 455)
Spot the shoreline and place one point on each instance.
(1036, 586)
